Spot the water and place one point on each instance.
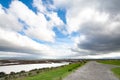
(28, 67)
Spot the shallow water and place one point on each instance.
(28, 67)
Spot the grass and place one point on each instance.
(55, 74)
(116, 71)
(112, 62)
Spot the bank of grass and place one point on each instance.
(116, 70)
(55, 74)
(112, 62)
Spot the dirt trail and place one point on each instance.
(93, 71)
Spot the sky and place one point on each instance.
(59, 29)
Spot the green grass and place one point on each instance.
(55, 74)
(116, 71)
(112, 62)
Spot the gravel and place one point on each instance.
(93, 71)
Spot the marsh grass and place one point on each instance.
(54, 74)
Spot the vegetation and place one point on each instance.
(53, 73)
(2, 74)
(112, 62)
(116, 71)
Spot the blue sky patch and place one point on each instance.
(58, 33)
(62, 14)
(47, 2)
(29, 5)
(5, 3)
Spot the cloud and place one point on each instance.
(38, 27)
(50, 14)
(99, 56)
(18, 55)
(98, 23)
(12, 42)
(105, 6)
(92, 27)
(10, 19)
(111, 7)
(39, 5)
(18, 16)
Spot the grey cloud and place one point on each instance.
(83, 53)
(27, 57)
(99, 38)
(110, 6)
(102, 36)
(8, 47)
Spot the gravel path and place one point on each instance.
(93, 71)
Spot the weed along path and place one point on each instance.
(93, 71)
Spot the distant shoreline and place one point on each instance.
(20, 62)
